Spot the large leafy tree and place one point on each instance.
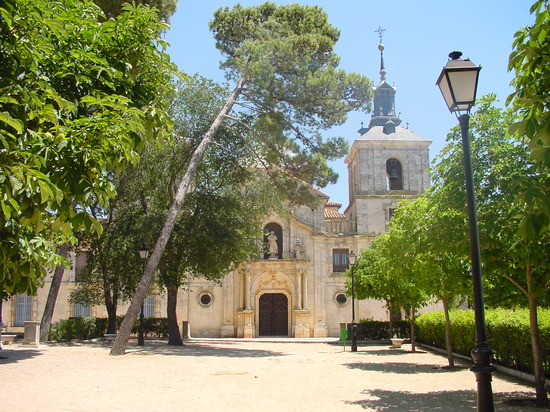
(516, 268)
(530, 62)
(113, 8)
(77, 98)
(282, 60)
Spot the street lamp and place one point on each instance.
(351, 260)
(458, 84)
(143, 254)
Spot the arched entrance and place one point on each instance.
(273, 316)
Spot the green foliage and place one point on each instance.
(508, 332)
(74, 328)
(78, 99)
(84, 328)
(380, 330)
(113, 8)
(530, 62)
(293, 88)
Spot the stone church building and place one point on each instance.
(297, 288)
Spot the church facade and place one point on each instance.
(298, 287)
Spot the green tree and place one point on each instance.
(503, 168)
(282, 60)
(530, 63)
(386, 271)
(77, 99)
(113, 8)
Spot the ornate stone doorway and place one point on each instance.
(273, 315)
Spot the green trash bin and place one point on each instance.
(343, 335)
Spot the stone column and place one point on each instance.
(299, 291)
(247, 290)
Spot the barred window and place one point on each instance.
(23, 309)
(340, 261)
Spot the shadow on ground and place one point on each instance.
(445, 401)
(210, 350)
(14, 356)
(399, 368)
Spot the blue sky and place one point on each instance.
(418, 37)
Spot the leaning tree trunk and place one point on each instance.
(174, 335)
(538, 364)
(46, 321)
(448, 335)
(121, 341)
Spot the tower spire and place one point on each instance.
(384, 97)
(380, 32)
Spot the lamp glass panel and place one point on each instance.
(463, 83)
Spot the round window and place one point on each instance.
(341, 298)
(205, 299)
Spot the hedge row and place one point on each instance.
(88, 328)
(508, 333)
(380, 330)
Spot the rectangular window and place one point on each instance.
(80, 310)
(390, 214)
(23, 309)
(340, 260)
(149, 307)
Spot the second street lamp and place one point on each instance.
(143, 254)
(351, 260)
(458, 84)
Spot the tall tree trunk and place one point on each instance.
(448, 335)
(46, 321)
(174, 335)
(413, 333)
(121, 341)
(111, 304)
(538, 366)
(391, 308)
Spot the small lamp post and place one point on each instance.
(143, 254)
(458, 84)
(351, 259)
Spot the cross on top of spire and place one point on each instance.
(380, 32)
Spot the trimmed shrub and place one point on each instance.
(380, 330)
(508, 333)
(74, 328)
(88, 327)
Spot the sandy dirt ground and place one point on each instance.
(240, 376)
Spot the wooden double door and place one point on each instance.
(273, 314)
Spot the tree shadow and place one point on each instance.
(400, 367)
(202, 350)
(17, 355)
(447, 401)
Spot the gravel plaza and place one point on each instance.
(242, 375)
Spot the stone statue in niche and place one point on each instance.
(272, 245)
(298, 249)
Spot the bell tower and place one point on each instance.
(386, 164)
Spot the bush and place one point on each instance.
(74, 328)
(380, 330)
(508, 333)
(88, 328)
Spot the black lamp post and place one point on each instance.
(351, 260)
(143, 254)
(458, 84)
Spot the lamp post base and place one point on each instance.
(483, 369)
